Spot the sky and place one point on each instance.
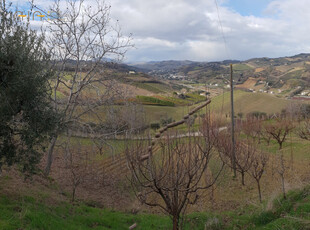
(210, 30)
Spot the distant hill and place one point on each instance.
(276, 72)
(162, 66)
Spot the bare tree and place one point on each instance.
(172, 176)
(80, 38)
(304, 129)
(252, 127)
(266, 136)
(76, 164)
(258, 168)
(281, 169)
(244, 152)
(279, 130)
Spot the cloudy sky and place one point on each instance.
(191, 29)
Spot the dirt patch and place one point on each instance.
(250, 83)
(257, 70)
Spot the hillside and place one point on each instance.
(273, 74)
(246, 102)
(161, 66)
(43, 210)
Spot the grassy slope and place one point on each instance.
(32, 213)
(246, 102)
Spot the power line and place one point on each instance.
(221, 28)
(231, 94)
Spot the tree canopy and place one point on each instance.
(26, 117)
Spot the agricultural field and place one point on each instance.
(230, 205)
(91, 138)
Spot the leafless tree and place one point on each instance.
(266, 136)
(252, 127)
(244, 153)
(281, 169)
(76, 165)
(279, 130)
(304, 129)
(172, 176)
(80, 37)
(258, 168)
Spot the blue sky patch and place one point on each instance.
(248, 7)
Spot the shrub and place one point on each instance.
(154, 101)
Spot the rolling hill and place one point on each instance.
(276, 72)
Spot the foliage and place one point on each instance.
(155, 125)
(26, 118)
(154, 101)
(257, 114)
(166, 120)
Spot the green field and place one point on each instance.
(246, 102)
(27, 212)
(152, 87)
(241, 67)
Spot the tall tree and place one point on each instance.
(82, 37)
(26, 117)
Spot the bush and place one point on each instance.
(166, 121)
(155, 126)
(154, 101)
(257, 114)
(27, 118)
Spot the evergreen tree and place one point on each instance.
(26, 117)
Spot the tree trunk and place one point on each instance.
(50, 156)
(280, 145)
(283, 186)
(242, 178)
(73, 194)
(175, 222)
(259, 191)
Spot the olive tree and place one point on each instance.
(26, 116)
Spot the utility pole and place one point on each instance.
(232, 121)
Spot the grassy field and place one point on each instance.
(27, 212)
(152, 87)
(246, 102)
(241, 67)
(235, 207)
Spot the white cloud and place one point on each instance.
(193, 29)
(183, 29)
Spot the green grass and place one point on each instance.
(246, 102)
(155, 113)
(241, 67)
(292, 75)
(154, 101)
(152, 87)
(196, 97)
(32, 213)
(291, 213)
(191, 98)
